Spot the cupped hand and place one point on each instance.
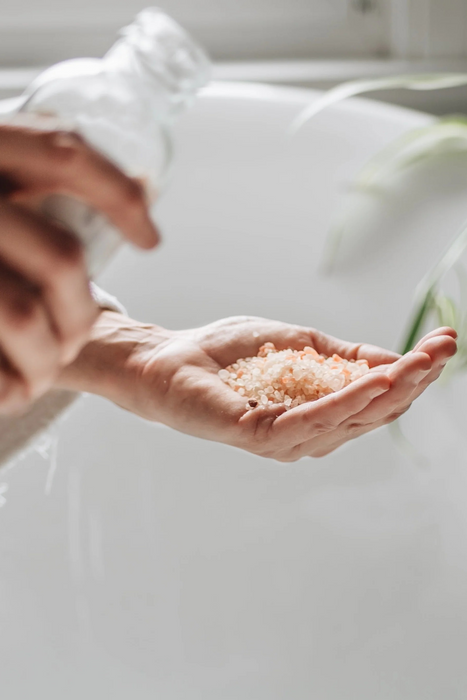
(172, 378)
(46, 308)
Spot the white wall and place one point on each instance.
(36, 32)
(428, 29)
(42, 31)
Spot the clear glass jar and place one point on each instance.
(124, 105)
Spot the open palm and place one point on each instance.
(173, 379)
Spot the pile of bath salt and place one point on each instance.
(290, 377)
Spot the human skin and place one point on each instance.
(171, 377)
(46, 307)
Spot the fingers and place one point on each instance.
(354, 351)
(53, 260)
(44, 162)
(242, 336)
(405, 375)
(440, 349)
(445, 330)
(410, 379)
(27, 343)
(46, 308)
(322, 416)
(318, 427)
(13, 391)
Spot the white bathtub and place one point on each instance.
(161, 566)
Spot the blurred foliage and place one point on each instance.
(444, 136)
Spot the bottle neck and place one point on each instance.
(158, 53)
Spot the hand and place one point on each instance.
(171, 377)
(46, 308)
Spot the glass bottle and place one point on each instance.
(124, 105)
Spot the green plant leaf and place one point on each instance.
(426, 292)
(448, 260)
(423, 81)
(445, 136)
(419, 316)
(447, 311)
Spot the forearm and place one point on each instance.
(109, 363)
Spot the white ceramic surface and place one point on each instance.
(154, 565)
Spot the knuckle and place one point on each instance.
(130, 199)
(264, 453)
(237, 320)
(30, 390)
(134, 194)
(355, 425)
(277, 457)
(6, 390)
(66, 150)
(13, 397)
(259, 449)
(395, 415)
(322, 427)
(262, 426)
(293, 454)
(65, 255)
(22, 309)
(323, 452)
(289, 459)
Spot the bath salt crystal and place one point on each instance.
(290, 377)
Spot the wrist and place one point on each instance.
(111, 361)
